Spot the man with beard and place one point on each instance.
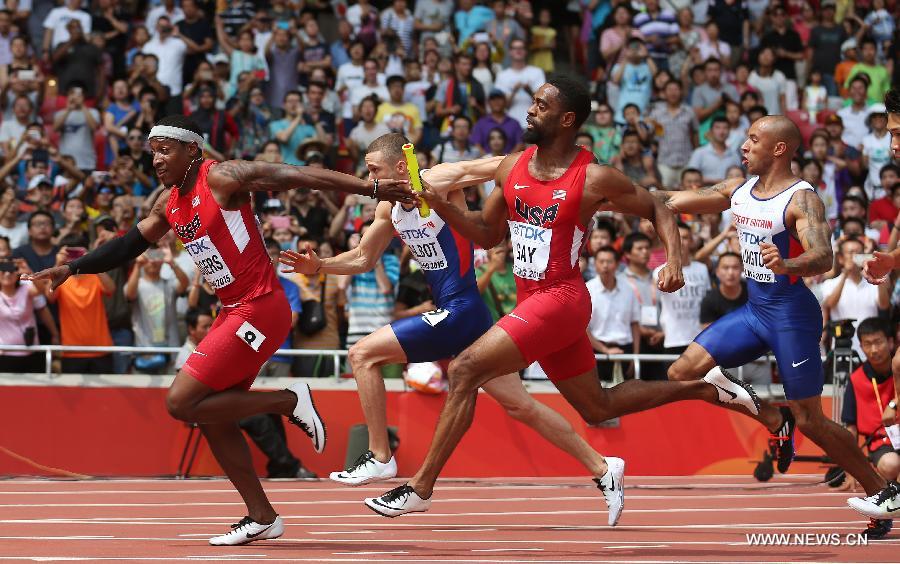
(208, 205)
(784, 237)
(549, 194)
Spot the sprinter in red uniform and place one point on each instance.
(549, 195)
(208, 204)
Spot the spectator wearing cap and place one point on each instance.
(876, 150)
(826, 42)
(283, 58)
(197, 34)
(399, 116)
(849, 54)
(714, 159)
(170, 51)
(292, 129)
(497, 118)
(15, 231)
(854, 116)
(458, 148)
(879, 79)
(39, 252)
(658, 27)
(520, 81)
(40, 193)
(56, 28)
(634, 77)
(679, 125)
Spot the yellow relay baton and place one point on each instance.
(412, 165)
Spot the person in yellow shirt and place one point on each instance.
(399, 116)
(543, 42)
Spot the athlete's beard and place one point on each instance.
(532, 136)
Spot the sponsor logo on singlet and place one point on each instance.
(210, 262)
(188, 232)
(536, 215)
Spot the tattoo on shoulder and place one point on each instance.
(239, 171)
(811, 206)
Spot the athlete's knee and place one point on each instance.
(681, 371)
(522, 409)
(463, 374)
(179, 406)
(360, 355)
(811, 423)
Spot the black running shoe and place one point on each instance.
(781, 442)
(878, 529)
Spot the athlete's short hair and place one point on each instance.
(574, 95)
(892, 101)
(390, 145)
(183, 122)
(873, 325)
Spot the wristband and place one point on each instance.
(375, 189)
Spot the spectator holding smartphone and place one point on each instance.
(76, 125)
(19, 300)
(82, 316)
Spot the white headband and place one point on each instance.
(177, 133)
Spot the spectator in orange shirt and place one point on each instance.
(82, 316)
(842, 70)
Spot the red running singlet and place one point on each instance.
(549, 323)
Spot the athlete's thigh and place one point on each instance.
(187, 390)
(573, 360)
(382, 346)
(799, 362)
(583, 392)
(491, 355)
(444, 332)
(732, 340)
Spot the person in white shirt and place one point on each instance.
(854, 116)
(875, 150)
(167, 9)
(679, 313)
(712, 47)
(850, 296)
(55, 23)
(373, 83)
(12, 130)
(352, 73)
(519, 82)
(615, 315)
(170, 51)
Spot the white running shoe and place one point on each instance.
(249, 530)
(612, 484)
(366, 470)
(398, 501)
(306, 417)
(733, 390)
(880, 505)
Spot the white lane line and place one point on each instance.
(461, 530)
(365, 552)
(632, 546)
(507, 550)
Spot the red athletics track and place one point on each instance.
(666, 519)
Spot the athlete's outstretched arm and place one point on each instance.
(116, 252)
(254, 176)
(609, 189)
(714, 199)
(447, 177)
(808, 214)
(361, 259)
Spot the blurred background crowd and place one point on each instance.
(675, 85)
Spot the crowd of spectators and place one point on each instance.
(675, 86)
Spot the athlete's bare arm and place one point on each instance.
(485, 228)
(606, 188)
(236, 177)
(447, 177)
(714, 199)
(156, 224)
(805, 217)
(361, 259)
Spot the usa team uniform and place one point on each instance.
(781, 313)
(549, 322)
(446, 258)
(228, 249)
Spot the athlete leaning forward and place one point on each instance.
(208, 205)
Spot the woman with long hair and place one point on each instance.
(18, 326)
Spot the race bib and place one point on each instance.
(210, 262)
(754, 267)
(531, 250)
(250, 335)
(428, 253)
